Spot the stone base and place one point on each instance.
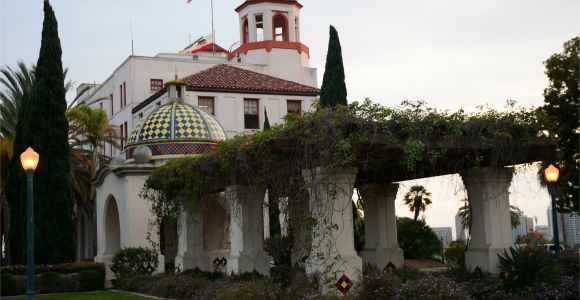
(189, 262)
(244, 263)
(350, 265)
(486, 259)
(382, 256)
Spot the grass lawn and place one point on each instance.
(99, 295)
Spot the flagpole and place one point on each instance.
(212, 29)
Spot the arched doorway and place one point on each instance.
(112, 227)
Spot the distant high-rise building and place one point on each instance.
(460, 233)
(570, 234)
(526, 225)
(444, 234)
(574, 232)
(551, 224)
(544, 231)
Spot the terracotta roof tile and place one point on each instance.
(230, 78)
(248, 2)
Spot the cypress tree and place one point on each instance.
(266, 122)
(333, 90)
(42, 125)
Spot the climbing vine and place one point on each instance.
(411, 139)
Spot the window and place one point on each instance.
(294, 107)
(122, 138)
(280, 24)
(125, 136)
(140, 116)
(207, 104)
(101, 105)
(111, 102)
(120, 96)
(245, 30)
(124, 94)
(156, 85)
(251, 118)
(158, 104)
(259, 28)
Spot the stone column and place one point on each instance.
(332, 251)
(487, 191)
(247, 230)
(381, 246)
(190, 249)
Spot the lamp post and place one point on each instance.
(29, 160)
(551, 173)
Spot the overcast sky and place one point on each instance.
(450, 53)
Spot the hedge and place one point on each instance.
(69, 268)
(63, 278)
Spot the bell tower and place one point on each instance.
(270, 36)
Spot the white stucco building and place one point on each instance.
(180, 104)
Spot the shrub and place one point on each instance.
(280, 248)
(9, 285)
(91, 280)
(416, 239)
(170, 266)
(165, 285)
(251, 290)
(281, 275)
(570, 263)
(525, 267)
(377, 284)
(203, 274)
(50, 283)
(134, 261)
(432, 287)
(455, 254)
(68, 268)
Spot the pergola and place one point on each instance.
(486, 174)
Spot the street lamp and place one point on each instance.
(552, 174)
(29, 160)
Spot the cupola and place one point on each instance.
(175, 129)
(270, 36)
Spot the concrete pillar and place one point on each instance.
(246, 230)
(381, 246)
(332, 251)
(190, 248)
(487, 190)
(268, 34)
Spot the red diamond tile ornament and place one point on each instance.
(344, 284)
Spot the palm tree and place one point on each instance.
(465, 214)
(16, 83)
(90, 128)
(417, 198)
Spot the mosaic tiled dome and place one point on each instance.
(176, 129)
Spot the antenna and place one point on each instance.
(212, 30)
(131, 28)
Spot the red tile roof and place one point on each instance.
(248, 2)
(229, 78)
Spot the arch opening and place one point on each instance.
(280, 30)
(112, 227)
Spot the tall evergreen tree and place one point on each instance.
(562, 105)
(266, 122)
(333, 90)
(43, 126)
